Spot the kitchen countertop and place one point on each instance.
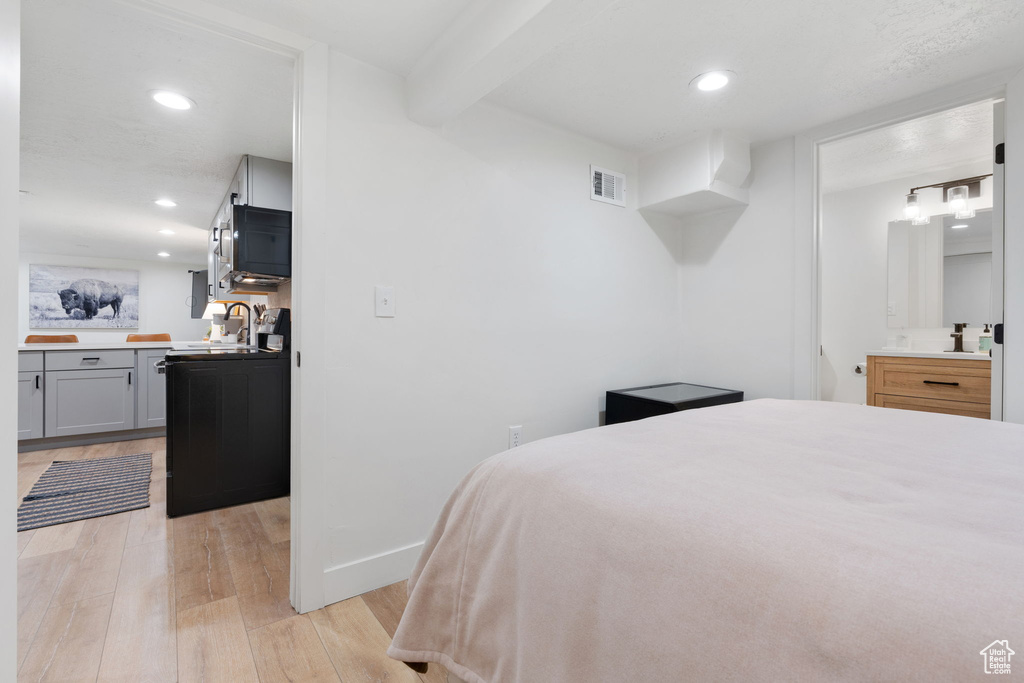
(98, 346)
(235, 353)
(967, 355)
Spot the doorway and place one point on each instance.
(93, 164)
(883, 256)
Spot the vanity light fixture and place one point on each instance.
(172, 100)
(168, 203)
(712, 80)
(912, 209)
(957, 193)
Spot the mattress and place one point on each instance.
(765, 540)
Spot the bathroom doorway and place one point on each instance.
(902, 257)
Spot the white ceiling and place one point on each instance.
(623, 78)
(391, 34)
(97, 151)
(932, 143)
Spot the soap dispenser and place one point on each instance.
(985, 340)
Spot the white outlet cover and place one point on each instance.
(515, 436)
(384, 301)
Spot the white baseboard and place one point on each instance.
(355, 578)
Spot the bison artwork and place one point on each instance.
(90, 296)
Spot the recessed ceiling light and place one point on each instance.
(959, 226)
(172, 100)
(712, 80)
(164, 254)
(165, 202)
(166, 232)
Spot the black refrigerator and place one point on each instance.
(228, 428)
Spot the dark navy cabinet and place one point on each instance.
(228, 432)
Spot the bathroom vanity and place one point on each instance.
(951, 383)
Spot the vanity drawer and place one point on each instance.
(957, 380)
(934, 405)
(89, 360)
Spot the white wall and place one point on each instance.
(519, 302)
(736, 285)
(10, 96)
(163, 290)
(854, 274)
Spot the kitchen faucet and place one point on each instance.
(248, 318)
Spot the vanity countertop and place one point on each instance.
(932, 354)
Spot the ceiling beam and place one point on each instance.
(487, 45)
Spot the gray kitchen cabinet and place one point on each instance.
(262, 182)
(89, 401)
(30, 405)
(214, 289)
(150, 394)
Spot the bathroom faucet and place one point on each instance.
(958, 337)
(248, 318)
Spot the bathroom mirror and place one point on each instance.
(940, 273)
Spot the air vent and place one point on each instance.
(607, 186)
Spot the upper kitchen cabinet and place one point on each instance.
(264, 183)
(250, 237)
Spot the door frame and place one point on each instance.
(309, 217)
(807, 190)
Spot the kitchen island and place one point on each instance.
(94, 392)
(228, 427)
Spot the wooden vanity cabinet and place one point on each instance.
(954, 386)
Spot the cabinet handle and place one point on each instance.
(209, 288)
(90, 360)
(37, 382)
(129, 378)
(945, 384)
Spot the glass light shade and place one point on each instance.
(957, 198)
(214, 308)
(964, 214)
(922, 220)
(913, 207)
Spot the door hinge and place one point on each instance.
(997, 333)
(1000, 152)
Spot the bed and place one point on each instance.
(760, 541)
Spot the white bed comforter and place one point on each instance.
(760, 541)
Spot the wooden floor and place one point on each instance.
(138, 597)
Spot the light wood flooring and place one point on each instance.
(138, 597)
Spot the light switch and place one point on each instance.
(385, 301)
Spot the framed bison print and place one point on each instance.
(70, 296)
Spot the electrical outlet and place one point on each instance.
(515, 436)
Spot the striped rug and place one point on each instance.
(70, 490)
